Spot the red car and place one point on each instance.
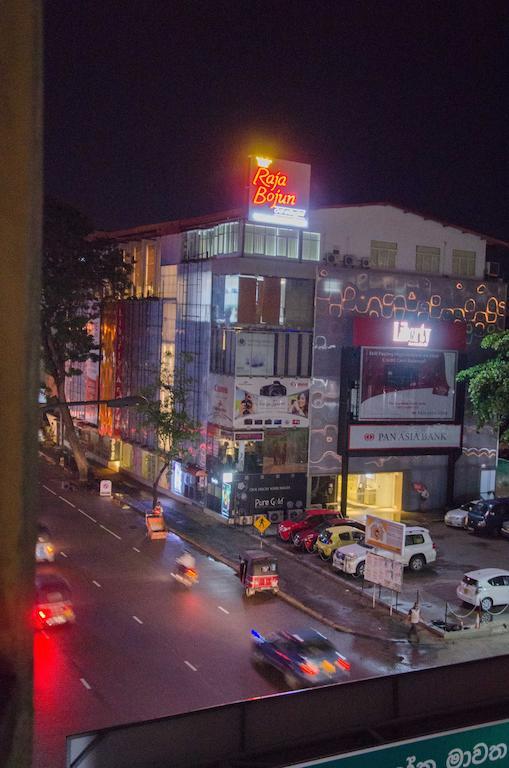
(306, 538)
(310, 518)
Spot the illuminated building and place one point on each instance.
(324, 346)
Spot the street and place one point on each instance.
(143, 646)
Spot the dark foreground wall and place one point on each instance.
(286, 728)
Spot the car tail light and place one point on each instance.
(343, 663)
(434, 545)
(308, 669)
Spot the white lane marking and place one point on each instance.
(49, 489)
(63, 554)
(96, 584)
(136, 549)
(223, 609)
(108, 530)
(85, 684)
(188, 663)
(137, 619)
(67, 502)
(87, 515)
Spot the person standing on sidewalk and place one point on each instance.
(414, 617)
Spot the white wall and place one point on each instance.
(352, 228)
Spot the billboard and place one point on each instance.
(371, 332)
(271, 402)
(220, 403)
(373, 437)
(266, 494)
(278, 192)
(407, 384)
(254, 354)
(384, 571)
(385, 534)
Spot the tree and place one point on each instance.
(164, 411)
(78, 271)
(488, 384)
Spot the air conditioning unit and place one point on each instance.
(348, 260)
(492, 269)
(364, 263)
(333, 257)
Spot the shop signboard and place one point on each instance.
(385, 534)
(485, 744)
(389, 437)
(407, 384)
(278, 192)
(430, 334)
(254, 354)
(271, 403)
(269, 494)
(384, 571)
(220, 403)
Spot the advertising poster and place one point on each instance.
(271, 402)
(220, 403)
(254, 354)
(279, 192)
(403, 384)
(261, 494)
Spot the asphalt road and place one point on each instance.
(143, 646)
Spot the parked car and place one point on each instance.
(418, 551)
(304, 658)
(308, 519)
(457, 518)
(53, 602)
(488, 516)
(44, 549)
(486, 587)
(306, 539)
(335, 537)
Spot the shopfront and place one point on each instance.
(370, 491)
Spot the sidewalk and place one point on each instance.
(331, 599)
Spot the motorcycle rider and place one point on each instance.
(185, 562)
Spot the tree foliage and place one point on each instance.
(77, 273)
(488, 384)
(165, 412)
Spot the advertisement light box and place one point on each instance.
(278, 192)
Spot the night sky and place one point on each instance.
(152, 106)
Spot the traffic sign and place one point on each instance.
(261, 523)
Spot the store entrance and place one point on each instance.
(379, 492)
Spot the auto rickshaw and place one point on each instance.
(258, 572)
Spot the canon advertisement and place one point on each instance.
(401, 384)
(271, 402)
(279, 192)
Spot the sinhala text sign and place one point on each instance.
(384, 571)
(481, 745)
(278, 192)
(385, 534)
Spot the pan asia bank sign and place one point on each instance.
(373, 437)
(279, 192)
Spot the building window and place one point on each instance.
(271, 241)
(383, 255)
(427, 259)
(463, 263)
(150, 270)
(311, 246)
(169, 281)
(138, 271)
(220, 240)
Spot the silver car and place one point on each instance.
(456, 518)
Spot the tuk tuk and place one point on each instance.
(156, 527)
(258, 572)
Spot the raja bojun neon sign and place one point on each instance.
(279, 192)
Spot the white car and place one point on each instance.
(456, 518)
(418, 551)
(486, 587)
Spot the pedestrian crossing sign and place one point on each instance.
(261, 523)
